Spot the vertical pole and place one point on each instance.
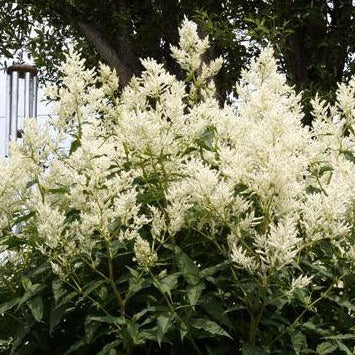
(8, 112)
(14, 106)
(30, 97)
(27, 95)
(34, 96)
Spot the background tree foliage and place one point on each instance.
(314, 39)
(119, 32)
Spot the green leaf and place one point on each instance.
(56, 316)
(4, 307)
(209, 326)
(325, 348)
(163, 325)
(74, 146)
(59, 190)
(341, 336)
(24, 218)
(134, 332)
(36, 307)
(299, 342)
(67, 298)
(342, 302)
(60, 310)
(109, 349)
(319, 269)
(183, 331)
(324, 169)
(115, 225)
(194, 293)
(77, 345)
(212, 305)
(108, 319)
(349, 155)
(186, 266)
(58, 290)
(206, 139)
(6, 53)
(153, 195)
(136, 284)
(26, 283)
(249, 349)
(140, 314)
(310, 190)
(33, 290)
(41, 269)
(91, 329)
(314, 326)
(21, 333)
(92, 286)
(188, 151)
(72, 215)
(133, 272)
(168, 283)
(210, 271)
(343, 347)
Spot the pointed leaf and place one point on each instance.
(343, 347)
(36, 307)
(210, 327)
(58, 290)
(74, 146)
(4, 307)
(194, 293)
(108, 319)
(168, 283)
(325, 348)
(163, 325)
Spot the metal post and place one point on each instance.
(15, 73)
(30, 95)
(34, 96)
(8, 113)
(27, 96)
(14, 106)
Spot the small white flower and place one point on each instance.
(145, 256)
(300, 282)
(242, 259)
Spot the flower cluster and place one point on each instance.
(164, 163)
(248, 169)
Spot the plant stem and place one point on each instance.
(172, 310)
(78, 289)
(111, 278)
(309, 307)
(254, 325)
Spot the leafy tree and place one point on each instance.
(118, 32)
(314, 39)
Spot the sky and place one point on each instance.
(42, 109)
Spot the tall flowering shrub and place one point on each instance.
(157, 221)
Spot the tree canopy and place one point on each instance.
(314, 39)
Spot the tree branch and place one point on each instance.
(106, 52)
(341, 23)
(121, 58)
